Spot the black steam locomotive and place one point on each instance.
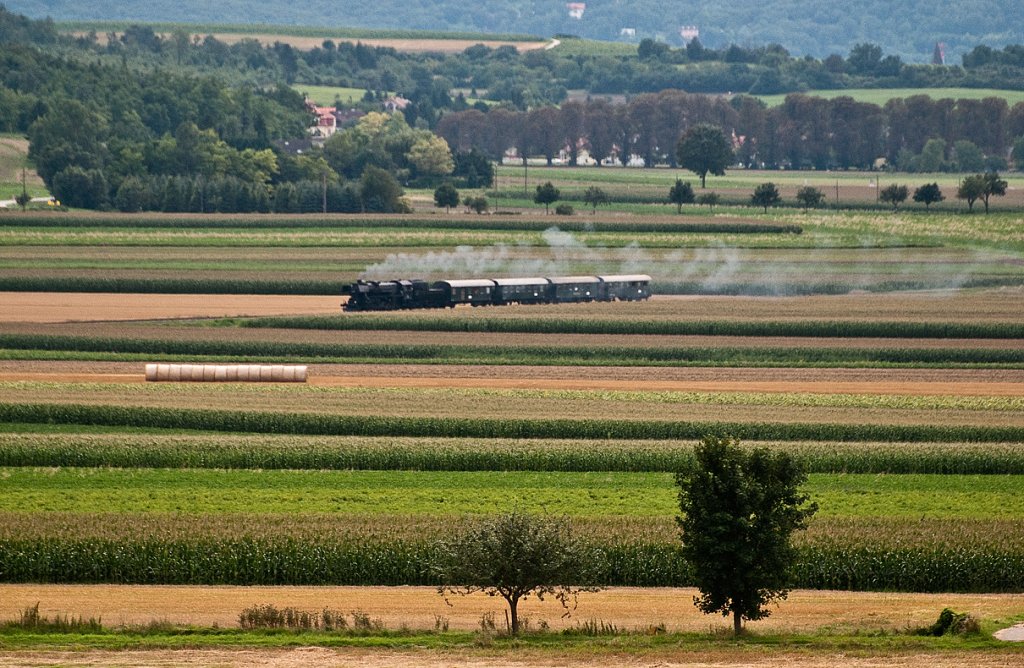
(407, 294)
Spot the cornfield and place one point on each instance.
(524, 324)
(250, 561)
(229, 451)
(523, 355)
(369, 425)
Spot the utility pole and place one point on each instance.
(324, 190)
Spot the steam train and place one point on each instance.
(410, 294)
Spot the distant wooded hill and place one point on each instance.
(908, 29)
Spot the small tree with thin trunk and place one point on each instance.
(447, 196)
(739, 509)
(22, 199)
(681, 193)
(992, 185)
(546, 195)
(711, 200)
(971, 189)
(477, 203)
(515, 555)
(894, 194)
(594, 196)
(766, 195)
(810, 197)
(928, 194)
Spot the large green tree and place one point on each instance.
(704, 149)
(515, 555)
(738, 511)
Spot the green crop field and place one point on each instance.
(319, 32)
(880, 96)
(74, 445)
(401, 493)
(821, 252)
(326, 96)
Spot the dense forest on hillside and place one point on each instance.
(908, 29)
(175, 123)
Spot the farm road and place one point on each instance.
(302, 657)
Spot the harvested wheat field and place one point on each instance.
(627, 607)
(43, 307)
(914, 382)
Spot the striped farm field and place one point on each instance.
(485, 404)
(695, 253)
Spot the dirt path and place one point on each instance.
(903, 388)
(322, 657)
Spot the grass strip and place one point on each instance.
(587, 495)
(523, 355)
(363, 425)
(524, 324)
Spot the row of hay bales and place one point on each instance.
(226, 373)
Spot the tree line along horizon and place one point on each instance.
(105, 135)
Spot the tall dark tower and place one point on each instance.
(939, 55)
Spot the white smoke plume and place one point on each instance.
(709, 269)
